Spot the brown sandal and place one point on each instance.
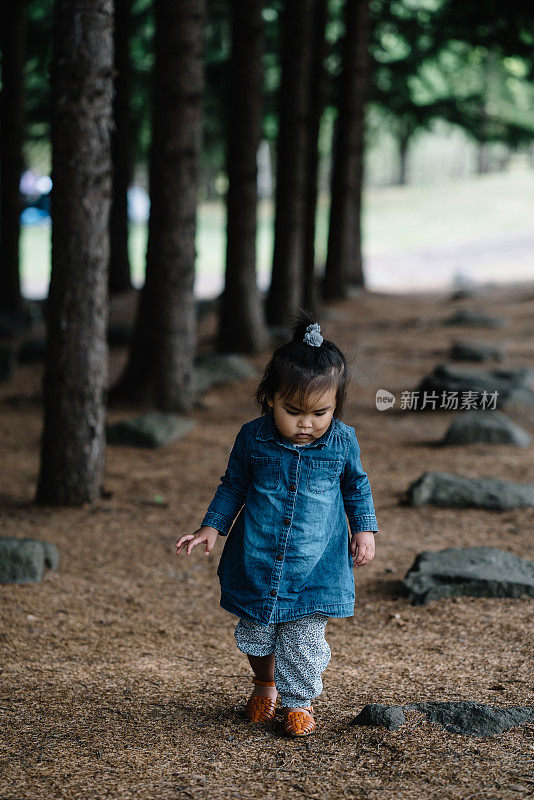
(261, 709)
(299, 723)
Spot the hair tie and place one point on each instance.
(313, 335)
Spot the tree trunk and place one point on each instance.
(73, 440)
(286, 290)
(13, 35)
(317, 100)
(160, 366)
(241, 321)
(483, 166)
(344, 260)
(121, 151)
(403, 159)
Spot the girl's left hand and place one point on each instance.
(364, 543)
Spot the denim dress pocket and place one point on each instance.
(266, 471)
(322, 475)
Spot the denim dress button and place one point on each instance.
(292, 487)
(279, 556)
(286, 520)
(273, 592)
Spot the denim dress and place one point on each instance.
(287, 554)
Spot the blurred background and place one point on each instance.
(161, 160)
(448, 159)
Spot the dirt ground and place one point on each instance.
(119, 673)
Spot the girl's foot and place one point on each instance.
(265, 691)
(298, 721)
(261, 704)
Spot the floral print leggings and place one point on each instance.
(301, 654)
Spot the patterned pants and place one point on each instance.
(301, 654)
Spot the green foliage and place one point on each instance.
(466, 63)
(142, 61)
(469, 63)
(37, 83)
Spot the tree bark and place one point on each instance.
(344, 259)
(74, 385)
(12, 38)
(121, 151)
(286, 290)
(316, 102)
(482, 163)
(160, 366)
(241, 321)
(404, 140)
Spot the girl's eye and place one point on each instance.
(295, 413)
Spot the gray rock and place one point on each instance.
(475, 319)
(455, 491)
(150, 430)
(465, 292)
(8, 362)
(468, 572)
(461, 716)
(390, 717)
(32, 350)
(335, 314)
(475, 719)
(475, 351)
(212, 369)
(24, 560)
(512, 385)
(485, 426)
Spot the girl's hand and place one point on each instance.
(204, 534)
(364, 543)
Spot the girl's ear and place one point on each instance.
(270, 402)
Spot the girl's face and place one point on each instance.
(303, 425)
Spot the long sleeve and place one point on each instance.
(232, 489)
(356, 491)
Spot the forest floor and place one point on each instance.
(120, 677)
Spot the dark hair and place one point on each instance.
(298, 369)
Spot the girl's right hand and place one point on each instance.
(205, 534)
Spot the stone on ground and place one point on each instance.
(475, 319)
(390, 717)
(512, 385)
(150, 430)
(468, 572)
(25, 560)
(475, 351)
(459, 716)
(475, 719)
(212, 369)
(456, 491)
(485, 426)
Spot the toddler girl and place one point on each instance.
(292, 476)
